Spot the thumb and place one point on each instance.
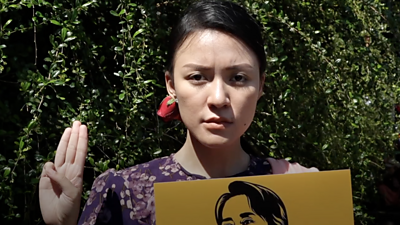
(61, 181)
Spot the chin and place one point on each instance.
(214, 141)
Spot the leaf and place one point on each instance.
(325, 146)
(7, 171)
(63, 33)
(56, 74)
(33, 122)
(70, 39)
(25, 85)
(39, 14)
(87, 4)
(274, 59)
(55, 22)
(39, 158)
(102, 58)
(157, 152)
(148, 81)
(62, 45)
(138, 32)
(149, 94)
(114, 13)
(21, 144)
(74, 15)
(7, 23)
(121, 96)
(91, 161)
(171, 101)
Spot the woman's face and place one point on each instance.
(237, 212)
(217, 82)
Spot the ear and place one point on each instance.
(169, 82)
(261, 88)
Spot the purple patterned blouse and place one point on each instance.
(127, 196)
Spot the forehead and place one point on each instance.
(212, 46)
(235, 206)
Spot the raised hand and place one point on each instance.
(60, 186)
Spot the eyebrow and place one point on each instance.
(227, 219)
(242, 215)
(197, 66)
(240, 66)
(246, 214)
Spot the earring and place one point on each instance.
(169, 110)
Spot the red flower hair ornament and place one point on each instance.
(169, 110)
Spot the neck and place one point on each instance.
(223, 161)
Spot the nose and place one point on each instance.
(218, 94)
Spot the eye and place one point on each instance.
(197, 77)
(247, 221)
(239, 78)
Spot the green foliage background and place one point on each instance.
(332, 79)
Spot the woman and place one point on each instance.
(216, 75)
(248, 203)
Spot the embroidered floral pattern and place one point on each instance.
(127, 196)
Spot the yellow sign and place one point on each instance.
(318, 198)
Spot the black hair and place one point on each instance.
(263, 202)
(224, 16)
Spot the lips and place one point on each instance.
(217, 123)
(218, 120)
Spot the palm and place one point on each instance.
(60, 193)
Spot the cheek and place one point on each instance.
(244, 108)
(189, 97)
(191, 101)
(190, 107)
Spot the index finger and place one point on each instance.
(62, 148)
(81, 150)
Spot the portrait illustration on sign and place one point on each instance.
(248, 203)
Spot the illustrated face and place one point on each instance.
(216, 79)
(238, 212)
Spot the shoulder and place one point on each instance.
(123, 195)
(157, 170)
(282, 166)
(259, 166)
(116, 179)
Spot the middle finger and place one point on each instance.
(73, 142)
